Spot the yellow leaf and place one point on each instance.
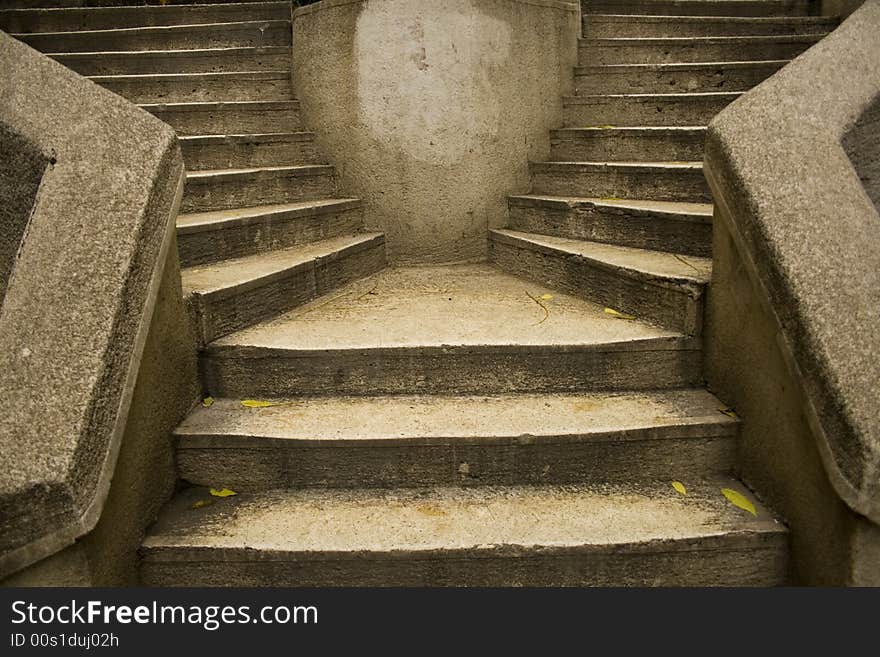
(603, 126)
(255, 403)
(728, 411)
(740, 500)
(223, 492)
(619, 315)
(207, 401)
(198, 504)
(677, 485)
(546, 297)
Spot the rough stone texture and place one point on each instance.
(699, 7)
(463, 329)
(516, 536)
(211, 60)
(345, 442)
(253, 150)
(22, 164)
(229, 118)
(73, 321)
(657, 287)
(802, 260)
(659, 50)
(702, 26)
(199, 87)
(645, 109)
(684, 228)
(431, 111)
(609, 144)
(253, 34)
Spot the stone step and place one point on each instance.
(699, 7)
(250, 150)
(632, 534)
(230, 295)
(225, 118)
(650, 143)
(670, 50)
(658, 181)
(654, 286)
(55, 4)
(211, 60)
(200, 87)
(342, 442)
(109, 18)
(612, 110)
(223, 189)
(204, 237)
(684, 228)
(617, 26)
(670, 78)
(463, 329)
(245, 34)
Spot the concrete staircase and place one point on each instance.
(513, 423)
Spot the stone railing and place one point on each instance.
(90, 187)
(793, 169)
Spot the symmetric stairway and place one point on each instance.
(513, 423)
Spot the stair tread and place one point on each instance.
(254, 269)
(328, 524)
(649, 129)
(645, 263)
(151, 28)
(672, 96)
(439, 419)
(176, 52)
(703, 210)
(680, 66)
(201, 105)
(219, 173)
(439, 307)
(194, 221)
(228, 75)
(637, 165)
(298, 135)
(646, 18)
(718, 39)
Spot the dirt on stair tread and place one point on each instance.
(443, 306)
(646, 262)
(225, 274)
(334, 523)
(703, 210)
(437, 419)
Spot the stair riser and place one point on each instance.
(259, 188)
(613, 146)
(229, 120)
(237, 153)
(603, 81)
(749, 561)
(181, 90)
(218, 316)
(248, 35)
(672, 185)
(449, 371)
(97, 18)
(275, 232)
(672, 307)
(715, 8)
(597, 55)
(268, 464)
(648, 112)
(604, 28)
(218, 62)
(619, 226)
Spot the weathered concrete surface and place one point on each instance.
(798, 264)
(77, 311)
(466, 329)
(440, 440)
(432, 111)
(516, 536)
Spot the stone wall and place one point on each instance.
(431, 111)
(97, 359)
(794, 303)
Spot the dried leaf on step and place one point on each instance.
(740, 500)
(207, 401)
(256, 403)
(546, 297)
(198, 504)
(222, 492)
(677, 485)
(619, 315)
(604, 126)
(728, 412)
